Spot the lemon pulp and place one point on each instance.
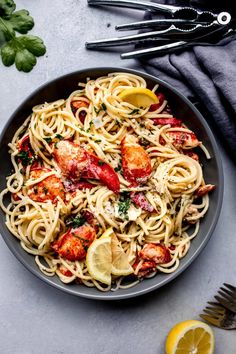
(190, 337)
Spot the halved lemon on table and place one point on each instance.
(140, 97)
(190, 337)
(105, 257)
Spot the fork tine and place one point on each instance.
(231, 287)
(211, 320)
(212, 312)
(216, 304)
(218, 309)
(225, 293)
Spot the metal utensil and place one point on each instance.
(219, 316)
(147, 37)
(223, 19)
(227, 297)
(204, 39)
(142, 38)
(175, 11)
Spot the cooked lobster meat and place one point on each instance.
(181, 139)
(135, 160)
(155, 252)
(203, 190)
(48, 189)
(141, 201)
(74, 243)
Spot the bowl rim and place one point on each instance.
(207, 236)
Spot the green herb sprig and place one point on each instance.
(21, 50)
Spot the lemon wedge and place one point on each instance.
(120, 262)
(99, 260)
(107, 233)
(138, 96)
(190, 337)
(106, 256)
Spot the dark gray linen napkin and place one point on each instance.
(206, 74)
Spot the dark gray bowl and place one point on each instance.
(184, 109)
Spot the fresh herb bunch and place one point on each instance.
(21, 50)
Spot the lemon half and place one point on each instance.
(138, 96)
(190, 337)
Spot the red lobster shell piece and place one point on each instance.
(76, 163)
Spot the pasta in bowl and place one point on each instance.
(108, 190)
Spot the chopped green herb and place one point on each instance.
(59, 136)
(98, 141)
(118, 168)
(124, 204)
(101, 163)
(123, 207)
(134, 111)
(103, 106)
(25, 158)
(48, 140)
(96, 110)
(90, 125)
(75, 221)
(56, 145)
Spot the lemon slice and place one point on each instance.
(99, 260)
(190, 337)
(120, 262)
(107, 233)
(139, 96)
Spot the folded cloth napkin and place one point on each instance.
(206, 74)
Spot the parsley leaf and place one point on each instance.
(24, 49)
(6, 8)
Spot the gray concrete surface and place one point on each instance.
(37, 319)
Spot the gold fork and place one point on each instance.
(219, 316)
